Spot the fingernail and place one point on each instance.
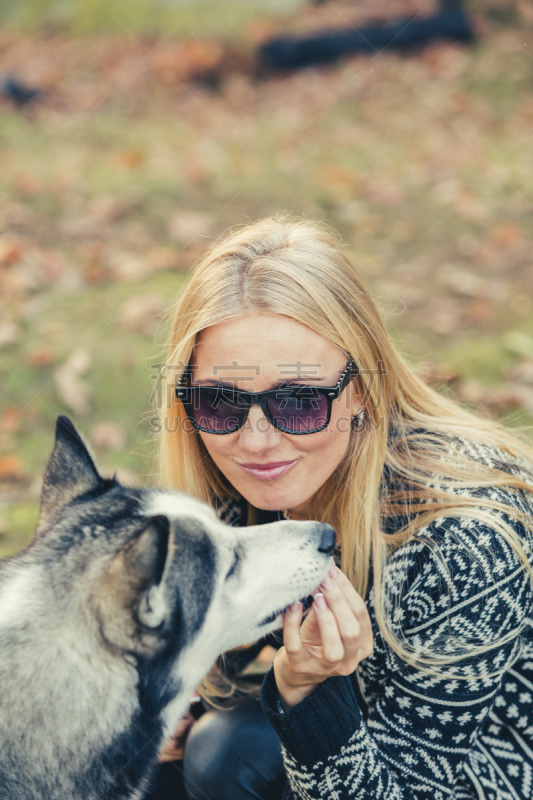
(293, 608)
(326, 584)
(332, 572)
(320, 601)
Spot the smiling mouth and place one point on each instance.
(268, 471)
(306, 601)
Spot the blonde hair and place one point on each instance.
(299, 268)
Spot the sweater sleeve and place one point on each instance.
(410, 737)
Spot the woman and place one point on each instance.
(412, 675)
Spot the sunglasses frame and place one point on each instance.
(249, 399)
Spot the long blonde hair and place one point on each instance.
(299, 268)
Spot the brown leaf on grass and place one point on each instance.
(260, 30)
(525, 396)
(525, 9)
(188, 60)
(129, 266)
(10, 252)
(10, 420)
(108, 209)
(11, 468)
(341, 180)
(479, 312)
(160, 258)
(436, 374)
(384, 189)
(9, 333)
(36, 269)
(195, 172)
(186, 225)
(506, 235)
(131, 158)
(460, 281)
(494, 400)
(472, 208)
(141, 314)
(520, 373)
(442, 318)
(40, 357)
(95, 268)
(108, 436)
(17, 217)
(72, 390)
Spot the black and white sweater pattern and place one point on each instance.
(402, 734)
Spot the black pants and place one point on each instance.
(231, 754)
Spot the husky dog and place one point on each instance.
(115, 612)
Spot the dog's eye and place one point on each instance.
(233, 566)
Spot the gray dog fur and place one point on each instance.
(113, 615)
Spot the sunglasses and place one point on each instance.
(298, 410)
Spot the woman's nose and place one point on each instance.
(258, 432)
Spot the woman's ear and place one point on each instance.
(356, 401)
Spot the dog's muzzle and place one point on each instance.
(327, 542)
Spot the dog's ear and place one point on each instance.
(145, 561)
(70, 472)
(131, 594)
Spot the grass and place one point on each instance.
(175, 18)
(422, 163)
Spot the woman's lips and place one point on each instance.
(266, 472)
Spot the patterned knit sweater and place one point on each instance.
(402, 734)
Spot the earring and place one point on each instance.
(358, 420)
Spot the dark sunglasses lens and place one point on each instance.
(217, 410)
(300, 410)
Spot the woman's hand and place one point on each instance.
(334, 638)
(173, 747)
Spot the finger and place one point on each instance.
(291, 629)
(309, 628)
(355, 600)
(359, 610)
(332, 646)
(347, 622)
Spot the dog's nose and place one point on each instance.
(327, 540)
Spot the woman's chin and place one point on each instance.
(273, 501)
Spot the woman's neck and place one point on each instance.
(295, 514)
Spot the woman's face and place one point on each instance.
(271, 469)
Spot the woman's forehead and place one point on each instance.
(262, 344)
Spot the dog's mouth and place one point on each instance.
(307, 602)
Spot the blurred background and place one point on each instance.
(133, 132)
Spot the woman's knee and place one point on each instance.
(232, 753)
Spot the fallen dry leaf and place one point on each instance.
(182, 61)
(186, 225)
(108, 436)
(521, 372)
(494, 400)
(436, 374)
(10, 252)
(132, 158)
(9, 333)
(40, 357)
(506, 235)
(10, 420)
(107, 209)
(141, 314)
(479, 312)
(11, 467)
(72, 390)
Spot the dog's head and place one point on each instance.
(156, 574)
